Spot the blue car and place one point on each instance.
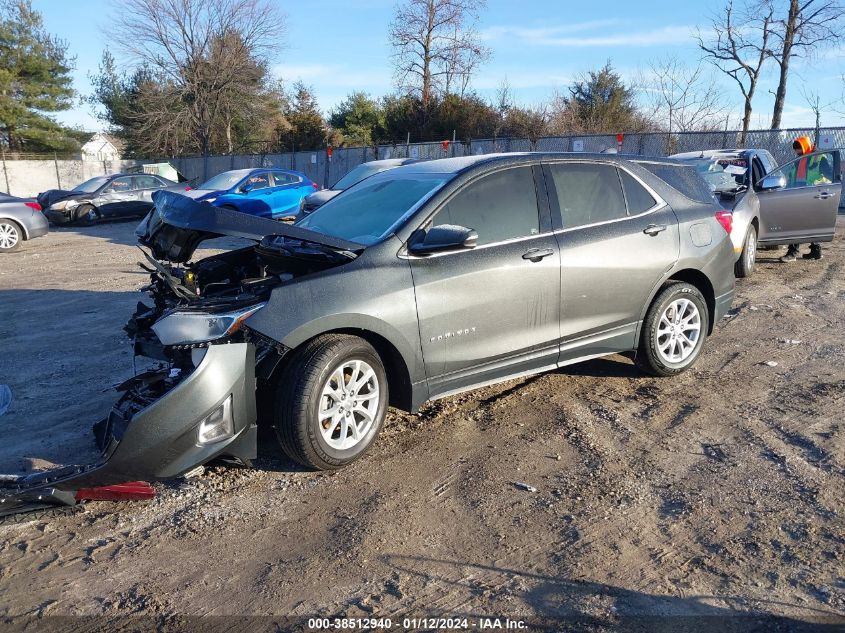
(268, 193)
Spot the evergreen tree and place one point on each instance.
(600, 102)
(359, 119)
(34, 80)
(308, 130)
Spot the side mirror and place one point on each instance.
(446, 237)
(773, 181)
(247, 187)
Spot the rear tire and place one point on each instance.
(744, 266)
(674, 330)
(11, 236)
(331, 401)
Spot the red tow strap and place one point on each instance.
(131, 490)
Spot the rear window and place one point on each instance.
(683, 178)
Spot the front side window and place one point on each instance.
(809, 171)
(119, 185)
(587, 193)
(374, 208)
(257, 181)
(498, 207)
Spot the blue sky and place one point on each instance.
(539, 46)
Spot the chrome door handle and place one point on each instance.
(654, 229)
(824, 195)
(536, 254)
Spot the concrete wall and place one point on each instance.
(27, 178)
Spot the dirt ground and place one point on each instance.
(697, 499)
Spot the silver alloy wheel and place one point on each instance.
(678, 331)
(750, 249)
(8, 235)
(349, 404)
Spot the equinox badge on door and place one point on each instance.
(447, 335)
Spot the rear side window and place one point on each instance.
(499, 207)
(587, 193)
(283, 178)
(147, 182)
(639, 200)
(683, 178)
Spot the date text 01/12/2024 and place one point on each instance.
(349, 624)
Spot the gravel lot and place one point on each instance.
(717, 493)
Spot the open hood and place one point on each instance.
(177, 225)
(46, 198)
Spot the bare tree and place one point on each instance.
(435, 46)
(739, 47)
(809, 26)
(203, 53)
(814, 101)
(682, 98)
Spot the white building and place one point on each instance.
(102, 147)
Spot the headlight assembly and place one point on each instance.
(183, 328)
(64, 204)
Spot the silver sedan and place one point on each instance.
(20, 219)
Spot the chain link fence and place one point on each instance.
(326, 171)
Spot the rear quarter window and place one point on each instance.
(683, 178)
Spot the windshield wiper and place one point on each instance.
(303, 247)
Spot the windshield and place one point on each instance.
(358, 174)
(90, 186)
(224, 181)
(372, 209)
(715, 175)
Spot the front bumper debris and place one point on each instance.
(152, 431)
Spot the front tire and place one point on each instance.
(11, 236)
(331, 401)
(674, 330)
(744, 266)
(87, 215)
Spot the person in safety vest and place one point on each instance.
(813, 170)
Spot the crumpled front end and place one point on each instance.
(167, 422)
(196, 399)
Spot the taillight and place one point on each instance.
(187, 188)
(33, 205)
(315, 185)
(726, 219)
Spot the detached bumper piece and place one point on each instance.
(158, 429)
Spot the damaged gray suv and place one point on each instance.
(419, 282)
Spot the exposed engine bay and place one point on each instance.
(221, 290)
